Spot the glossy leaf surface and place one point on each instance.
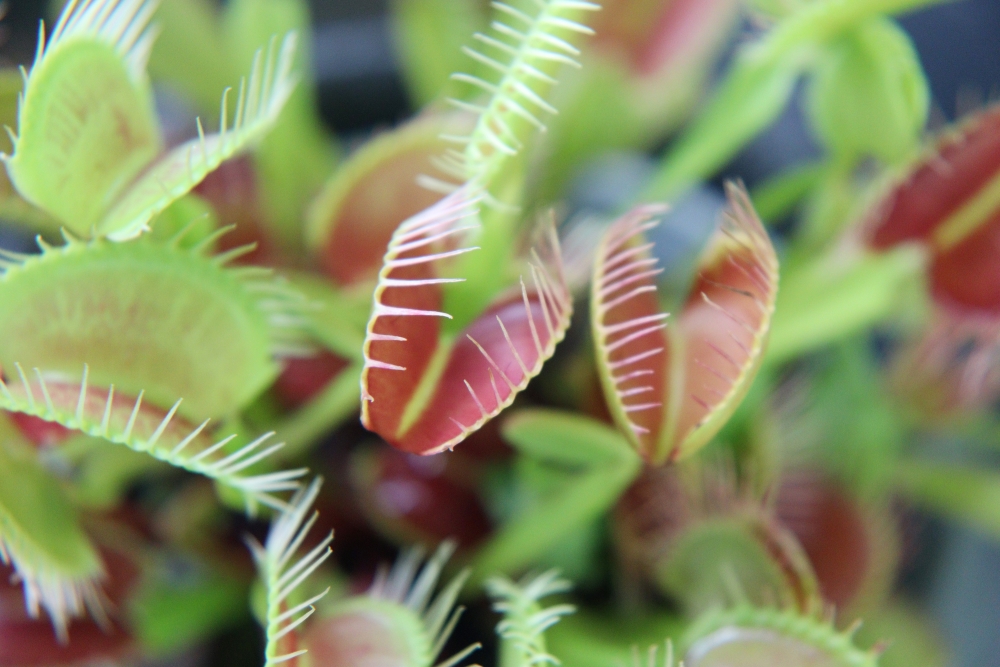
(671, 386)
(425, 389)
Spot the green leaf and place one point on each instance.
(177, 172)
(41, 536)
(869, 94)
(148, 317)
(758, 87)
(777, 197)
(169, 615)
(87, 127)
(566, 438)
(430, 35)
(603, 639)
(294, 158)
(189, 54)
(967, 495)
(825, 301)
(596, 464)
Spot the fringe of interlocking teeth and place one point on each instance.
(624, 272)
(412, 586)
(123, 24)
(742, 227)
(258, 105)
(63, 598)
(282, 578)
(514, 49)
(212, 461)
(557, 308)
(442, 221)
(524, 619)
(814, 628)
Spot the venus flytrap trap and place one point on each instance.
(201, 49)
(749, 636)
(416, 369)
(106, 173)
(400, 621)
(41, 537)
(670, 388)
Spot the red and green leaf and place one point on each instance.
(852, 546)
(949, 200)
(424, 388)
(353, 219)
(671, 387)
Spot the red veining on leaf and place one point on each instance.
(964, 161)
(831, 530)
(712, 352)
(630, 334)
(38, 431)
(485, 366)
(727, 317)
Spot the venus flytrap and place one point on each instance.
(745, 636)
(399, 622)
(670, 388)
(424, 389)
(101, 169)
(432, 331)
(41, 537)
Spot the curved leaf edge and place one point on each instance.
(68, 405)
(815, 629)
(47, 584)
(282, 306)
(446, 221)
(282, 577)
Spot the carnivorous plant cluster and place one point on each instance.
(720, 465)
